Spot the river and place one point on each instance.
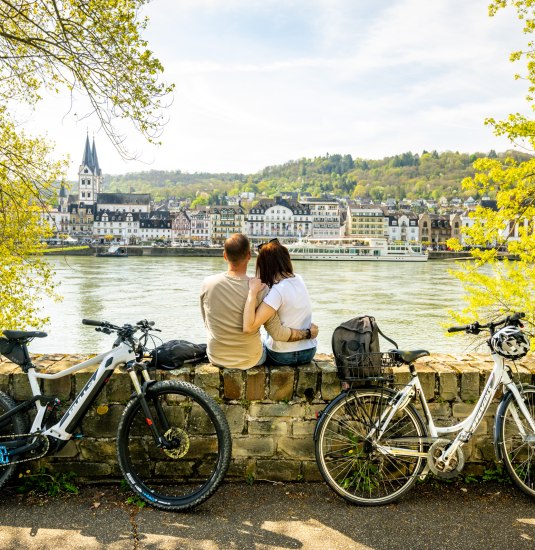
(409, 300)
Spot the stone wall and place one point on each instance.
(271, 411)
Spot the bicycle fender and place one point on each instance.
(498, 421)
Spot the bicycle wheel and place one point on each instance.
(188, 473)
(517, 441)
(12, 426)
(348, 449)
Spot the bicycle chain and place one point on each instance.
(16, 436)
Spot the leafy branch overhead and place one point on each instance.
(92, 49)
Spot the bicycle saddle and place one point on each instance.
(23, 334)
(410, 356)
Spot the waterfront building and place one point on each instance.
(435, 229)
(403, 227)
(224, 221)
(180, 225)
(121, 226)
(325, 214)
(280, 218)
(151, 229)
(366, 221)
(200, 224)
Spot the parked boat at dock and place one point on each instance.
(113, 252)
(352, 249)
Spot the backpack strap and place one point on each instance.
(386, 337)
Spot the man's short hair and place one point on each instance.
(237, 248)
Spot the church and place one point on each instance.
(92, 214)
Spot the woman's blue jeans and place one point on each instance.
(290, 358)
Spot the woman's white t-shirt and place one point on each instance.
(290, 298)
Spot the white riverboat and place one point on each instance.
(351, 249)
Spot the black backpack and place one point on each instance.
(176, 353)
(356, 348)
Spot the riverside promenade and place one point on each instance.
(273, 516)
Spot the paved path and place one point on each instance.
(281, 516)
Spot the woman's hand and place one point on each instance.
(256, 285)
(314, 329)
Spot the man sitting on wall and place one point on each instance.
(223, 299)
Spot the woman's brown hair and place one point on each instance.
(273, 263)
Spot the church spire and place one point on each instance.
(96, 166)
(87, 160)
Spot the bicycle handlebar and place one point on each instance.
(476, 328)
(92, 323)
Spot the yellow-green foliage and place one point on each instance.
(88, 47)
(495, 285)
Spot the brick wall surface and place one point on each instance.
(271, 411)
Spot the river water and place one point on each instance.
(409, 300)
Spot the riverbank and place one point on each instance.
(201, 251)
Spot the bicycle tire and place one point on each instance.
(518, 454)
(15, 425)
(349, 460)
(181, 478)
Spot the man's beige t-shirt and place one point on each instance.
(222, 301)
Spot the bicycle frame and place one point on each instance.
(466, 428)
(107, 362)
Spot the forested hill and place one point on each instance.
(412, 176)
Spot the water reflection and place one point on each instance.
(410, 301)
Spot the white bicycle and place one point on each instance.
(372, 444)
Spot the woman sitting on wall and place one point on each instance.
(288, 296)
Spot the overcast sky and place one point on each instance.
(261, 82)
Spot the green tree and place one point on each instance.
(505, 286)
(91, 48)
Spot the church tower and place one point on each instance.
(89, 176)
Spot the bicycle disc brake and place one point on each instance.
(180, 436)
(438, 467)
(4, 452)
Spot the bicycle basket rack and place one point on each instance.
(366, 366)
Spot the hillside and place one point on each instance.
(408, 175)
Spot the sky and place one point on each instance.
(262, 82)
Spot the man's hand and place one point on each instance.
(256, 285)
(314, 330)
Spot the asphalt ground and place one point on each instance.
(274, 516)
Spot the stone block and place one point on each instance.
(6, 375)
(101, 447)
(470, 384)
(207, 378)
(21, 386)
(428, 379)
(447, 385)
(281, 383)
(305, 428)
(307, 381)
(241, 469)
(267, 426)
(69, 451)
(310, 471)
(301, 448)
(253, 447)
(233, 384)
(236, 415)
(183, 374)
(81, 378)
(58, 387)
(260, 410)
(84, 470)
(119, 388)
(277, 470)
(102, 425)
(255, 384)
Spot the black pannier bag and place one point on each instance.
(13, 351)
(356, 349)
(176, 353)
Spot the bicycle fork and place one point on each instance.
(141, 391)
